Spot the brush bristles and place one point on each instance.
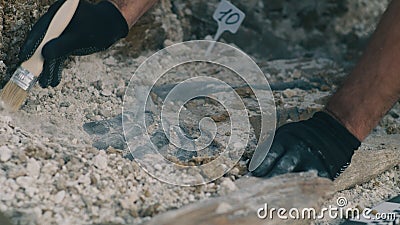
(13, 96)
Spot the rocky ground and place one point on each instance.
(63, 157)
(52, 174)
(53, 171)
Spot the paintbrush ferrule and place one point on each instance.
(24, 79)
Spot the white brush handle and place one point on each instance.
(57, 25)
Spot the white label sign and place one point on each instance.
(229, 18)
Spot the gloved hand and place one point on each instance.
(93, 28)
(320, 143)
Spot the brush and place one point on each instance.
(24, 78)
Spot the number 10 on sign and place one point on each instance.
(229, 18)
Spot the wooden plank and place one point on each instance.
(240, 207)
(287, 191)
(368, 164)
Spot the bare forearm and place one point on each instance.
(132, 10)
(374, 85)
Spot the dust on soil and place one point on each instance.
(51, 173)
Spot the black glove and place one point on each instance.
(93, 28)
(320, 143)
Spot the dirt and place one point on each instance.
(51, 168)
(54, 174)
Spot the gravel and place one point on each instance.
(64, 160)
(51, 172)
